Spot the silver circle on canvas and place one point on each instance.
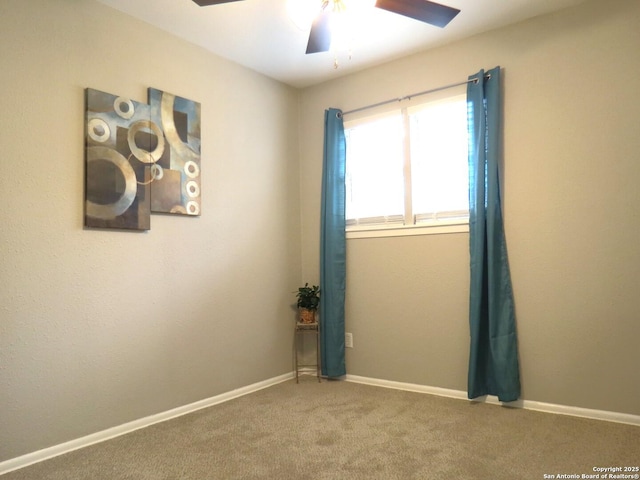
(157, 172)
(141, 154)
(193, 208)
(124, 107)
(94, 126)
(112, 210)
(183, 150)
(191, 169)
(192, 188)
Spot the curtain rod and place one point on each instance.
(410, 96)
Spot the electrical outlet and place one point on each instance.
(348, 340)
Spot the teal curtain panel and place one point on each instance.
(333, 247)
(493, 359)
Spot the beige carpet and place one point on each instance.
(343, 430)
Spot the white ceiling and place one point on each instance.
(260, 35)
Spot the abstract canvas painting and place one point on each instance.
(117, 192)
(140, 158)
(176, 174)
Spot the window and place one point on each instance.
(407, 170)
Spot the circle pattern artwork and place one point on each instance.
(141, 154)
(124, 107)
(98, 130)
(112, 210)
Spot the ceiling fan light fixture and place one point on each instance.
(303, 12)
(342, 31)
(346, 15)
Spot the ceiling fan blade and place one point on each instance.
(206, 3)
(320, 34)
(423, 10)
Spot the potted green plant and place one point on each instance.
(308, 302)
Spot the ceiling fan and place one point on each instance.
(320, 34)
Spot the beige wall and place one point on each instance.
(571, 214)
(98, 328)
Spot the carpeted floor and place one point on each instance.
(344, 430)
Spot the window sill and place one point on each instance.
(431, 228)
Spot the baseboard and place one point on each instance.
(47, 453)
(525, 404)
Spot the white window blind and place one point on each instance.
(409, 167)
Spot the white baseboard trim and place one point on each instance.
(56, 450)
(525, 404)
(50, 452)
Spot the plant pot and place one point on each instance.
(307, 316)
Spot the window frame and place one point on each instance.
(432, 226)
